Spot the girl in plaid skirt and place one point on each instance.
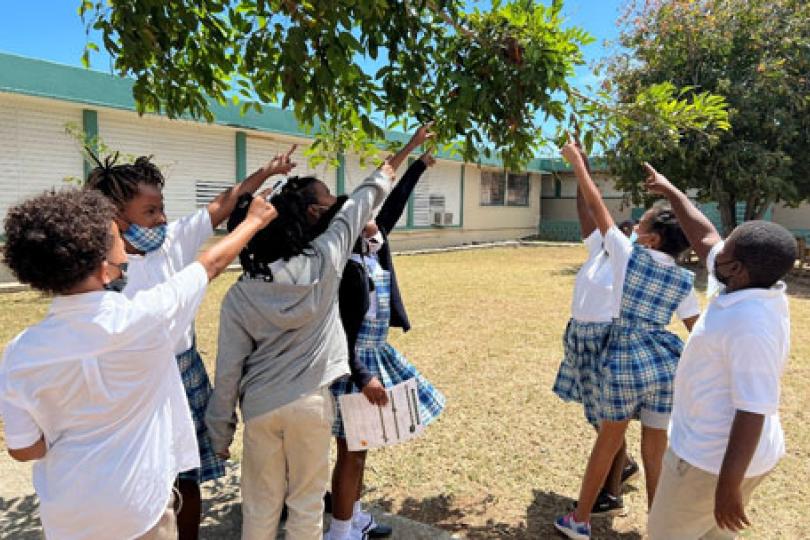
(368, 310)
(640, 355)
(586, 335)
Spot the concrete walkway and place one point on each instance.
(19, 510)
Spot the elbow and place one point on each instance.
(31, 453)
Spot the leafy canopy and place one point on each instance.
(489, 79)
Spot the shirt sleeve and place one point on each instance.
(235, 345)
(756, 368)
(20, 428)
(713, 285)
(619, 249)
(188, 234)
(689, 306)
(594, 242)
(338, 240)
(172, 305)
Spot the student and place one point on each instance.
(640, 356)
(155, 252)
(92, 392)
(281, 345)
(367, 296)
(586, 335)
(726, 436)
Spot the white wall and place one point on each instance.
(35, 151)
(262, 148)
(184, 151)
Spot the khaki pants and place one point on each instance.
(166, 527)
(683, 508)
(286, 458)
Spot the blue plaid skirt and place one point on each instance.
(385, 362)
(638, 370)
(579, 376)
(198, 391)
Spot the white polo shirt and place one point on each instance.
(593, 286)
(733, 360)
(97, 377)
(184, 239)
(620, 248)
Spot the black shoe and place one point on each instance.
(327, 503)
(607, 505)
(630, 472)
(284, 512)
(380, 531)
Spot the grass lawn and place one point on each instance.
(507, 455)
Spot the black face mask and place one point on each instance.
(326, 218)
(722, 278)
(117, 285)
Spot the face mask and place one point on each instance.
(374, 243)
(146, 239)
(117, 285)
(633, 237)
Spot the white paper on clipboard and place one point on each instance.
(369, 426)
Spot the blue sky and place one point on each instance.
(52, 30)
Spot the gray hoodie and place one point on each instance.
(282, 340)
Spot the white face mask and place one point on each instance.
(374, 243)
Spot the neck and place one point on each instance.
(90, 284)
(130, 250)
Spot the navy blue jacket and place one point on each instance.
(354, 288)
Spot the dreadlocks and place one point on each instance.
(120, 183)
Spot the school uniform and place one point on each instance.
(587, 331)
(381, 359)
(184, 239)
(733, 360)
(97, 378)
(370, 303)
(640, 357)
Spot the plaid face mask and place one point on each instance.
(145, 239)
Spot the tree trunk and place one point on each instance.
(728, 213)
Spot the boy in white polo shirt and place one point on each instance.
(725, 435)
(92, 392)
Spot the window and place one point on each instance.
(501, 189)
(517, 190)
(493, 188)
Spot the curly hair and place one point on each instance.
(290, 234)
(57, 239)
(120, 183)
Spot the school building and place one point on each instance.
(40, 102)
(558, 208)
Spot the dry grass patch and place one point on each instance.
(507, 455)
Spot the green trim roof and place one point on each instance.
(40, 78)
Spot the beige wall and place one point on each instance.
(566, 210)
(793, 218)
(438, 238)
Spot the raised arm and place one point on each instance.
(700, 232)
(397, 200)
(422, 134)
(590, 193)
(222, 206)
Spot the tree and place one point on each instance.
(754, 53)
(489, 79)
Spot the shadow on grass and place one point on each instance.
(222, 509)
(441, 511)
(19, 518)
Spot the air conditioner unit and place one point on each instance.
(448, 218)
(437, 218)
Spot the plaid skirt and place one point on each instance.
(638, 370)
(578, 378)
(198, 392)
(391, 368)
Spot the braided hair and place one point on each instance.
(665, 224)
(287, 236)
(120, 182)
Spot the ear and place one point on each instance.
(313, 214)
(102, 273)
(655, 240)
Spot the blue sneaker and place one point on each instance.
(572, 529)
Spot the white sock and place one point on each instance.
(358, 507)
(361, 519)
(339, 529)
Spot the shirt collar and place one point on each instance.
(77, 302)
(728, 299)
(661, 257)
